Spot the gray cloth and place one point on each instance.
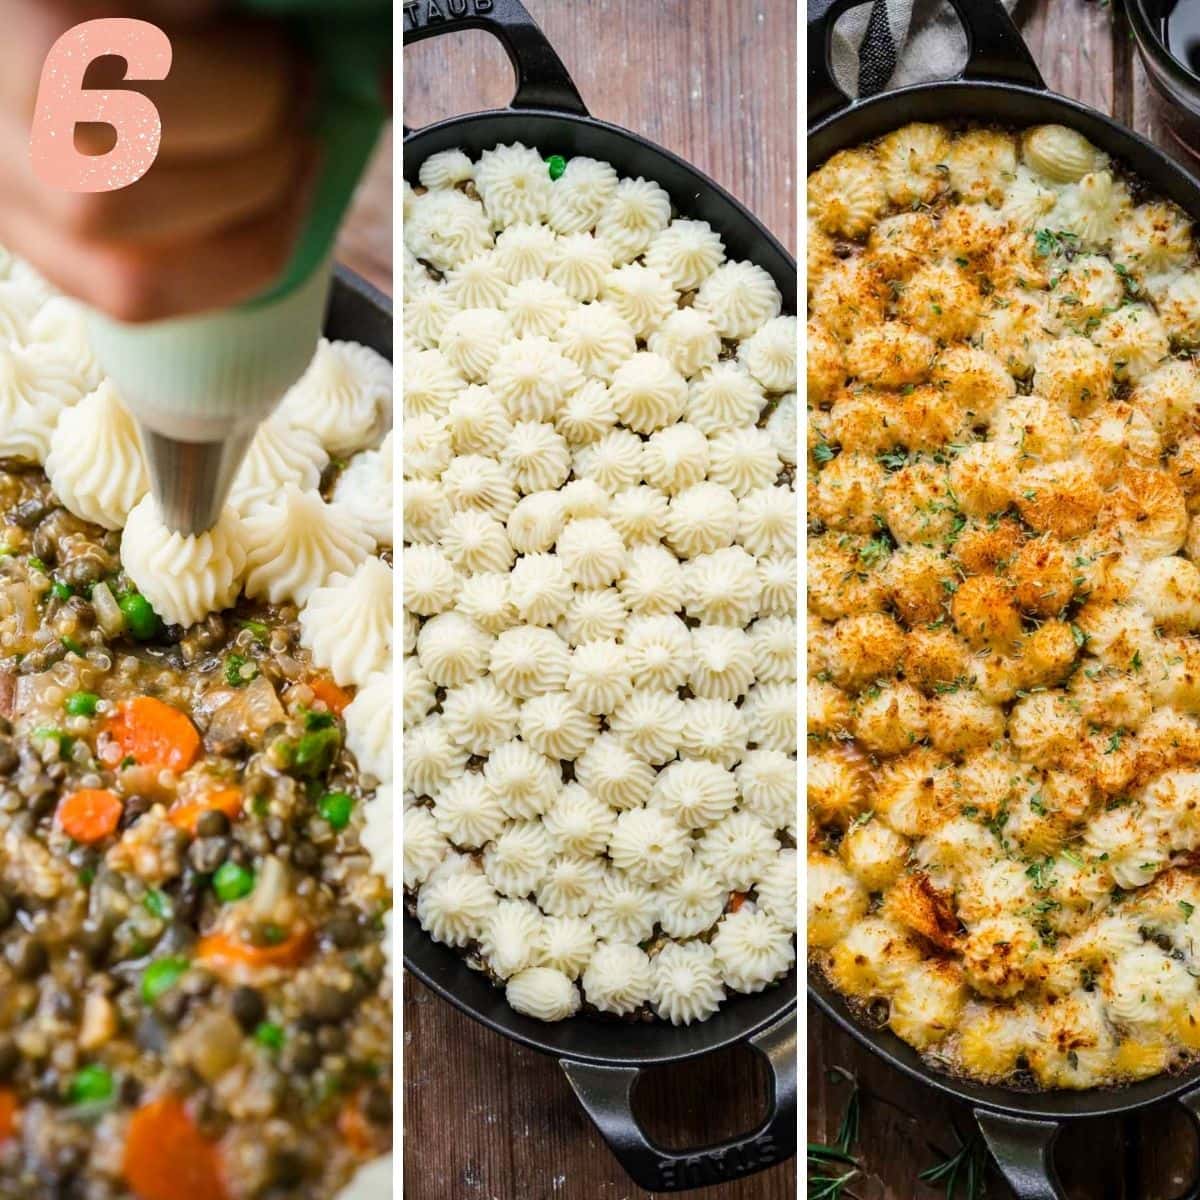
(892, 43)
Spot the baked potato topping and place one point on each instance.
(1004, 603)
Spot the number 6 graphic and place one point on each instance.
(63, 102)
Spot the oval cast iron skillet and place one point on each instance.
(602, 1059)
(999, 83)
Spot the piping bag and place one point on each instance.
(198, 386)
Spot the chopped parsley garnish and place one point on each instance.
(1132, 287)
(875, 551)
(998, 822)
(823, 452)
(1054, 241)
(1038, 872)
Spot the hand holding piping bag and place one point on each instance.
(214, 220)
(207, 278)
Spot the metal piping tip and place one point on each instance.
(190, 480)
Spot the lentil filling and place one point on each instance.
(194, 1000)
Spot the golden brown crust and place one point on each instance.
(914, 902)
(1004, 698)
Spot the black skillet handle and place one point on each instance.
(542, 80)
(1191, 1105)
(1024, 1152)
(995, 51)
(606, 1094)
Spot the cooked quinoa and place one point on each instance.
(199, 971)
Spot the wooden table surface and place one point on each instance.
(365, 241)
(714, 81)
(1084, 50)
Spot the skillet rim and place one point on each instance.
(524, 1030)
(747, 1015)
(413, 138)
(1183, 188)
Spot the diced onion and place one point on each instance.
(109, 616)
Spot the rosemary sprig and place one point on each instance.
(826, 1178)
(964, 1170)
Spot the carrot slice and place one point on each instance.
(153, 734)
(10, 1110)
(736, 901)
(167, 1157)
(228, 955)
(185, 813)
(354, 1127)
(90, 814)
(335, 698)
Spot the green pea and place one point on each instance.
(72, 645)
(316, 751)
(270, 1035)
(336, 807)
(82, 704)
(232, 881)
(144, 623)
(61, 591)
(91, 1084)
(161, 976)
(65, 740)
(556, 165)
